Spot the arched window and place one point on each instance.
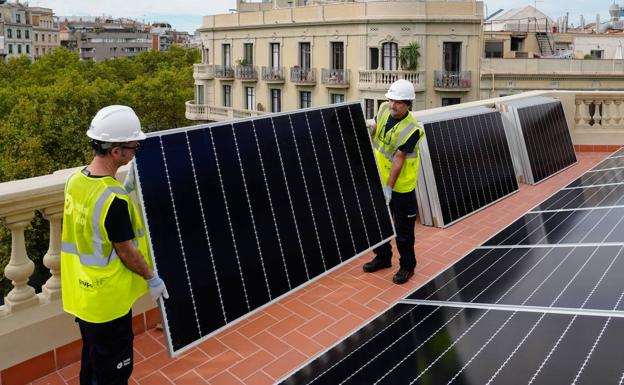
(390, 53)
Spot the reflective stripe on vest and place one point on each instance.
(97, 258)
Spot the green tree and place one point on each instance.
(408, 56)
(46, 108)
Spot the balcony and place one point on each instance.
(452, 81)
(246, 73)
(224, 72)
(303, 76)
(203, 71)
(334, 78)
(216, 113)
(273, 74)
(380, 80)
(39, 340)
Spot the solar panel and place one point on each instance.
(240, 213)
(542, 140)
(585, 197)
(597, 178)
(610, 163)
(465, 165)
(425, 344)
(580, 277)
(617, 153)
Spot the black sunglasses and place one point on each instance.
(134, 148)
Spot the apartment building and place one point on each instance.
(280, 56)
(16, 30)
(45, 31)
(524, 50)
(102, 38)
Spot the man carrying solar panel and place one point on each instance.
(105, 264)
(395, 134)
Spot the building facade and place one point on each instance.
(103, 38)
(45, 31)
(315, 53)
(15, 20)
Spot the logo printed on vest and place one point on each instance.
(91, 285)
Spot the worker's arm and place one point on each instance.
(397, 165)
(132, 258)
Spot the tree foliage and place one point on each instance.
(46, 108)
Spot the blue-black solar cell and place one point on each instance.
(287, 228)
(362, 140)
(246, 252)
(349, 192)
(258, 194)
(164, 237)
(217, 240)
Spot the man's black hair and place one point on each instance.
(101, 148)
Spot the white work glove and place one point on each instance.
(388, 194)
(129, 183)
(157, 288)
(370, 125)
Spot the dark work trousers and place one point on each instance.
(107, 355)
(403, 209)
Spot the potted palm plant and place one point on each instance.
(409, 56)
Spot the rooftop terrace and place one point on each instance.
(41, 344)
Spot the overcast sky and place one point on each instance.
(185, 15)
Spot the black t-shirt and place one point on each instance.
(410, 144)
(117, 221)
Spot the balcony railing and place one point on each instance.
(32, 324)
(335, 77)
(217, 113)
(273, 74)
(246, 73)
(306, 76)
(203, 71)
(452, 80)
(224, 72)
(380, 80)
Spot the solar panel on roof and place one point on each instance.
(427, 344)
(542, 141)
(241, 213)
(465, 165)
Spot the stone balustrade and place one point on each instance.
(599, 111)
(380, 80)
(217, 113)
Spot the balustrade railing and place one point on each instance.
(336, 77)
(452, 79)
(599, 111)
(246, 72)
(203, 71)
(218, 113)
(382, 79)
(224, 72)
(273, 74)
(300, 75)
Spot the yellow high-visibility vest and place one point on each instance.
(97, 286)
(386, 143)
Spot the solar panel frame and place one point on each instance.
(193, 138)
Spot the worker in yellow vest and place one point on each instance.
(396, 133)
(105, 262)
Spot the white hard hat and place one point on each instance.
(115, 124)
(401, 90)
